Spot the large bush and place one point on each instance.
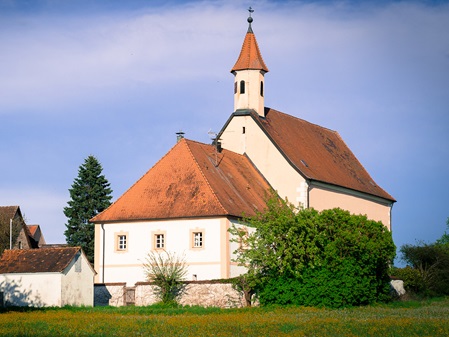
(305, 257)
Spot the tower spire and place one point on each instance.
(250, 19)
(249, 71)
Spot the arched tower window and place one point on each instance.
(261, 88)
(242, 87)
(235, 87)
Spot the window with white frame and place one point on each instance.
(122, 243)
(159, 241)
(197, 239)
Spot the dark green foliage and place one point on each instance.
(413, 282)
(90, 194)
(329, 258)
(427, 271)
(5, 231)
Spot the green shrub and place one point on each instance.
(329, 258)
(167, 271)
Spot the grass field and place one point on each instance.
(425, 318)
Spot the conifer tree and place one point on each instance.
(90, 194)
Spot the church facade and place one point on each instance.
(190, 198)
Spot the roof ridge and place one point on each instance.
(304, 120)
(203, 175)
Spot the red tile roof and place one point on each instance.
(32, 229)
(192, 180)
(250, 56)
(318, 153)
(37, 260)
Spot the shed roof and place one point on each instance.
(43, 260)
(192, 180)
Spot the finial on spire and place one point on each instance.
(250, 19)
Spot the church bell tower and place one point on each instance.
(249, 72)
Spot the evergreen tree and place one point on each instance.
(90, 194)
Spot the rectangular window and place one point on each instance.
(121, 242)
(159, 241)
(243, 238)
(197, 239)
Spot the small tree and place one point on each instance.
(167, 271)
(427, 271)
(90, 194)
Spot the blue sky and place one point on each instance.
(118, 79)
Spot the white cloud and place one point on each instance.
(119, 83)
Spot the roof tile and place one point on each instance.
(37, 260)
(318, 153)
(250, 56)
(192, 180)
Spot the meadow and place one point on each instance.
(408, 318)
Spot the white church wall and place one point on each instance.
(266, 157)
(126, 265)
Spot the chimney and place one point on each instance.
(179, 135)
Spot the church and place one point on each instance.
(188, 200)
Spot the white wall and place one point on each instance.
(29, 289)
(266, 157)
(208, 262)
(77, 284)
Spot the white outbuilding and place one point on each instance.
(53, 276)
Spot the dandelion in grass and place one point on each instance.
(167, 271)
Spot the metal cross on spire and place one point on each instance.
(250, 19)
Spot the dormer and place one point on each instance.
(249, 72)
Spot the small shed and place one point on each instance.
(53, 276)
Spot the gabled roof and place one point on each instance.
(318, 153)
(14, 213)
(36, 236)
(8, 212)
(250, 56)
(37, 260)
(192, 180)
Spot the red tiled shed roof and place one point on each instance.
(192, 180)
(37, 260)
(250, 56)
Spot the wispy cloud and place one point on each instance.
(117, 79)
